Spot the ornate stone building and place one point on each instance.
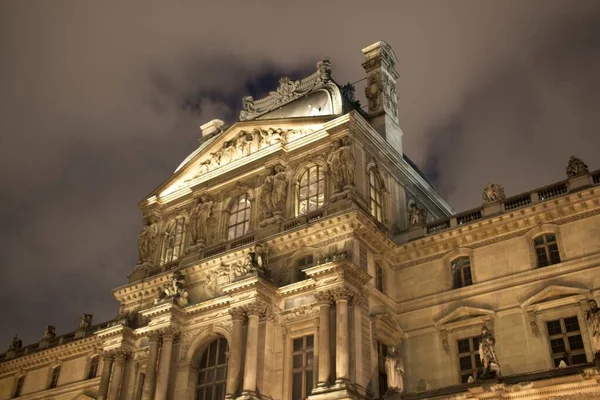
(299, 253)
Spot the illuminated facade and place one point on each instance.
(298, 253)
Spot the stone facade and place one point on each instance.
(299, 254)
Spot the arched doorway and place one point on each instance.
(212, 371)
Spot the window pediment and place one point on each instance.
(554, 296)
(464, 316)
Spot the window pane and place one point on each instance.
(557, 345)
(298, 344)
(208, 395)
(463, 346)
(575, 342)
(550, 238)
(538, 241)
(309, 359)
(554, 255)
(465, 363)
(297, 361)
(310, 340)
(297, 386)
(553, 327)
(579, 359)
(220, 392)
(571, 324)
(309, 382)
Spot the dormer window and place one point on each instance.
(461, 272)
(239, 217)
(546, 250)
(375, 195)
(173, 244)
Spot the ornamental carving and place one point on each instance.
(16, 343)
(287, 91)
(576, 167)
(237, 313)
(323, 297)
(493, 192)
(174, 290)
(417, 216)
(342, 164)
(342, 293)
(49, 333)
(85, 321)
(592, 317)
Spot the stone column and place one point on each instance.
(117, 375)
(254, 312)
(342, 360)
(164, 366)
(108, 359)
(235, 352)
(324, 376)
(150, 376)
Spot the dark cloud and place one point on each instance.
(99, 103)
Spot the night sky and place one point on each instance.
(100, 101)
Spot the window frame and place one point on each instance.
(308, 261)
(234, 209)
(54, 376)
(19, 385)
(94, 361)
(455, 263)
(179, 223)
(298, 199)
(379, 278)
(564, 335)
(304, 369)
(376, 194)
(545, 246)
(208, 368)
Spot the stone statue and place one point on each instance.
(417, 216)
(174, 290)
(592, 317)
(16, 343)
(335, 164)
(147, 241)
(394, 368)
(85, 321)
(487, 353)
(348, 92)
(199, 217)
(576, 167)
(49, 332)
(348, 162)
(274, 192)
(257, 259)
(493, 192)
(324, 69)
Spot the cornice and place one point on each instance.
(61, 352)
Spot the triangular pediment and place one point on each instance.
(239, 145)
(553, 295)
(465, 315)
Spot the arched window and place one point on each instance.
(379, 278)
(375, 191)
(173, 245)
(239, 217)
(212, 371)
(54, 377)
(94, 367)
(311, 190)
(546, 249)
(461, 272)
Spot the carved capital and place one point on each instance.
(257, 308)
(324, 298)
(108, 356)
(342, 293)
(169, 333)
(122, 355)
(237, 313)
(153, 336)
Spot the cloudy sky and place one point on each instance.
(100, 101)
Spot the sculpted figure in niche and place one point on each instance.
(487, 353)
(174, 290)
(199, 218)
(266, 192)
(16, 343)
(417, 216)
(592, 317)
(394, 368)
(274, 192)
(493, 192)
(576, 167)
(335, 166)
(85, 321)
(348, 162)
(147, 241)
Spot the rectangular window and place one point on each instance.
(302, 367)
(304, 263)
(461, 272)
(565, 340)
(546, 250)
(468, 357)
(381, 354)
(19, 387)
(94, 367)
(379, 278)
(54, 378)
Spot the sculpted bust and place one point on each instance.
(493, 192)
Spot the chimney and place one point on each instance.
(380, 67)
